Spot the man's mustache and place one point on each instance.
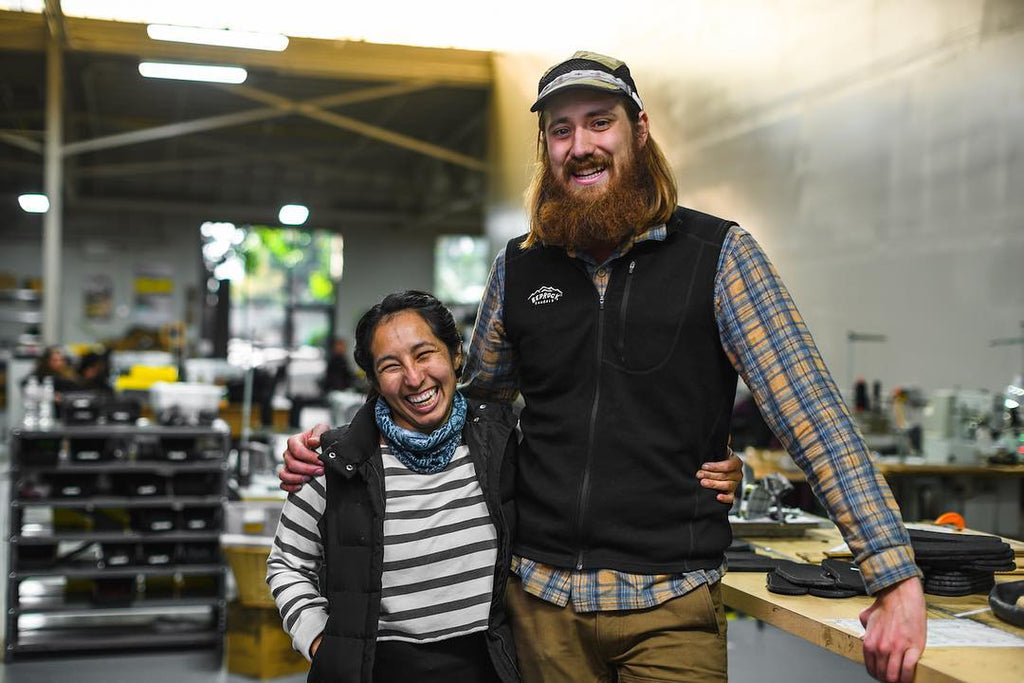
(576, 164)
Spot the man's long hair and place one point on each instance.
(660, 191)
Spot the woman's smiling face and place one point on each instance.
(414, 371)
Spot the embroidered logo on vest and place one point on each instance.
(545, 295)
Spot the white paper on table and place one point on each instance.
(949, 633)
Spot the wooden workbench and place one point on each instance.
(990, 497)
(766, 462)
(807, 616)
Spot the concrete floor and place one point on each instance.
(757, 654)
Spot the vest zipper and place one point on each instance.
(584, 496)
(621, 346)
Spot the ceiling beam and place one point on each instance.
(21, 141)
(367, 129)
(335, 59)
(170, 130)
(249, 213)
(217, 161)
(236, 118)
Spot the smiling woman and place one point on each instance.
(415, 372)
(409, 519)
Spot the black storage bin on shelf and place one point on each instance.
(87, 450)
(205, 552)
(119, 449)
(148, 448)
(118, 554)
(38, 556)
(178, 450)
(81, 407)
(195, 484)
(157, 554)
(142, 484)
(200, 519)
(154, 519)
(71, 485)
(208, 448)
(118, 410)
(40, 452)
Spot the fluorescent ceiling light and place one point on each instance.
(193, 72)
(275, 42)
(293, 214)
(34, 203)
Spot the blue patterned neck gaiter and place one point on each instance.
(423, 453)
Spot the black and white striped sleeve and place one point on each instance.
(294, 563)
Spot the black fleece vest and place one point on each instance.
(625, 398)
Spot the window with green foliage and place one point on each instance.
(461, 264)
(277, 275)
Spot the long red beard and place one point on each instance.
(584, 220)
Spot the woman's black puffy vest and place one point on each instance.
(352, 529)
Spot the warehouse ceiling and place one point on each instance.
(363, 134)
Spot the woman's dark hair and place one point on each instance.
(89, 360)
(43, 367)
(433, 312)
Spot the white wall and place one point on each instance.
(377, 262)
(875, 149)
(115, 247)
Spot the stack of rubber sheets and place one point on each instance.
(833, 579)
(960, 564)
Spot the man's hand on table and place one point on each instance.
(895, 628)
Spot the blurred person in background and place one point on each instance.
(338, 375)
(54, 363)
(94, 373)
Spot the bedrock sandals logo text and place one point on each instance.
(545, 295)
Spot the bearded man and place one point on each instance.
(623, 320)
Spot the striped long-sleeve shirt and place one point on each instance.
(440, 548)
(765, 338)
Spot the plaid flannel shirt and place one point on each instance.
(766, 340)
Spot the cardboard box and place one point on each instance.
(258, 645)
(247, 556)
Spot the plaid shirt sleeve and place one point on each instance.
(768, 343)
(492, 366)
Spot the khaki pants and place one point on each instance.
(680, 640)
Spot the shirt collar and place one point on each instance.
(657, 233)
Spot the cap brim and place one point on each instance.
(582, 84)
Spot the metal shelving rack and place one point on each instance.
(44, 615)
(19, 308)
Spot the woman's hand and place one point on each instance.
(723, 476)
(301, 462)
(315, 646)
